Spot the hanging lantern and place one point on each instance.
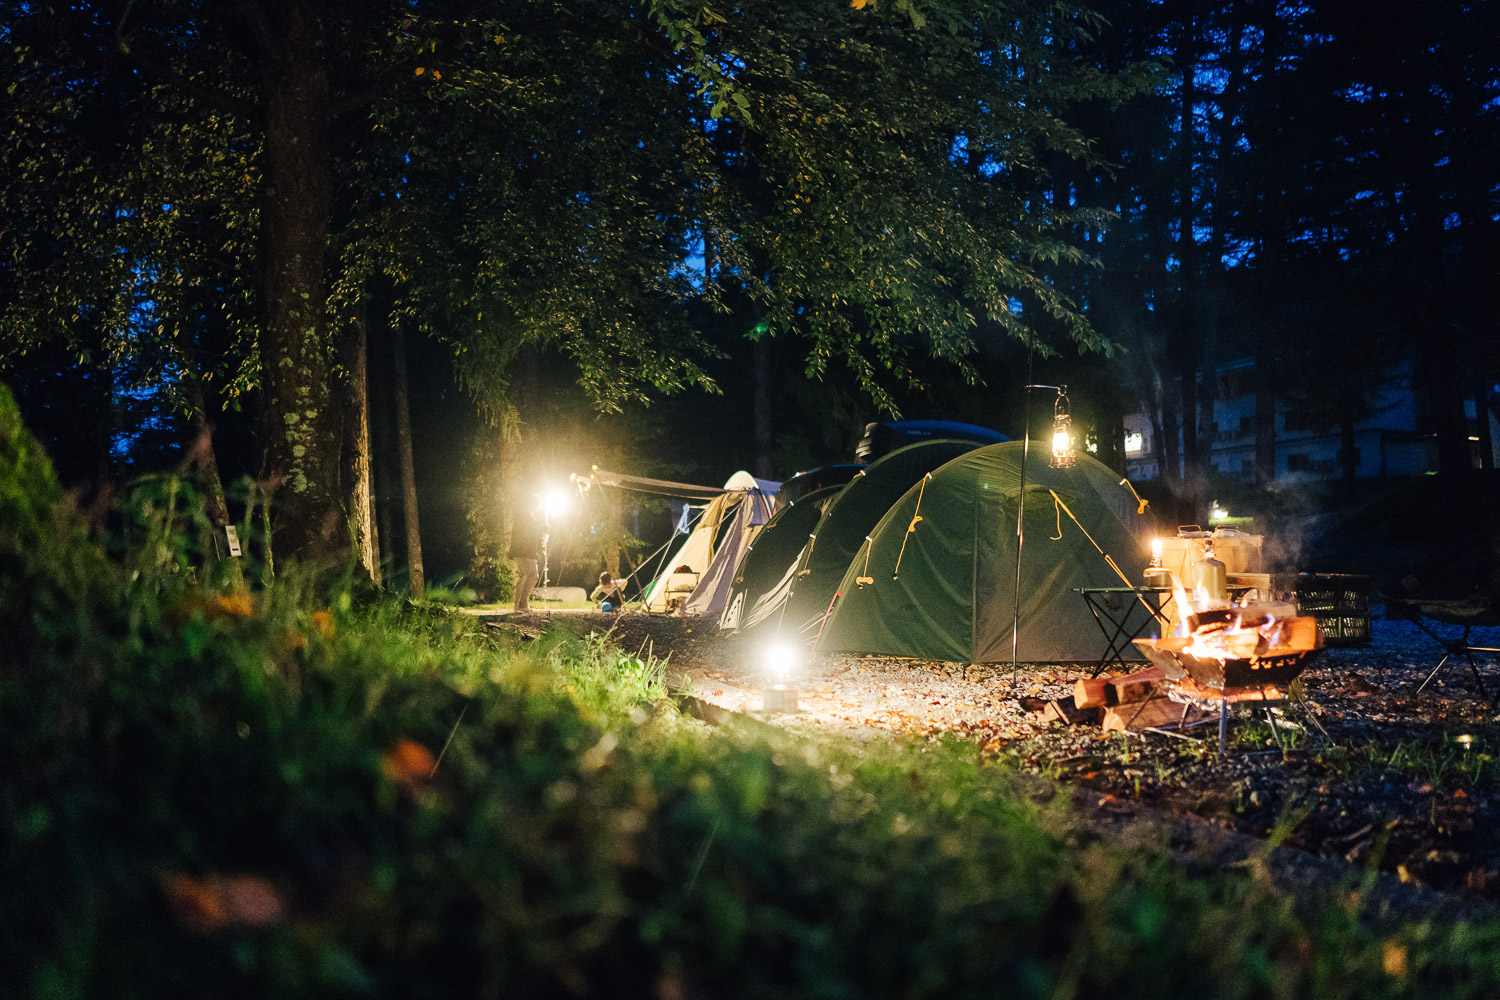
(1064, 455)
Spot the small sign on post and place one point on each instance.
(234, 540)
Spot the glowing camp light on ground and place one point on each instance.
(781, 662)
(1465, 741)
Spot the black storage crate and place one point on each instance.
(1339, 601)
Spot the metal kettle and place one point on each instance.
(1210, 576)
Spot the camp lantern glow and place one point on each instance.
(1156, 574)
(555, 501)
(1064, 454)
(781, 661)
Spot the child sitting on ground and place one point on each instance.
(610, 594)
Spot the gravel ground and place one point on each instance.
(1374, 777)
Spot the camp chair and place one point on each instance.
(1469, 614)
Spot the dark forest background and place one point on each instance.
(1311, 184)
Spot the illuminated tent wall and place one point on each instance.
(795, 599)
(714, 547)
(937, 579)
(767, 568)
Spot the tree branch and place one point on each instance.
(212, 96)
(371, 93)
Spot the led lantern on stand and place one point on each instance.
(555, 503)
(782, 662)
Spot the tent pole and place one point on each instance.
(1015, 623)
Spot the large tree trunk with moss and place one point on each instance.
(356, 419)
(408, 467)
(301, 427)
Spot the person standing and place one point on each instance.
(526, 540)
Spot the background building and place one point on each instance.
(1390, 440)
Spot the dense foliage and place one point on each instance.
(219, 190)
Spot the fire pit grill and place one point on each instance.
(1204, 680)
(1277, 666)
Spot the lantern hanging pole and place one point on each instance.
(1059, 460)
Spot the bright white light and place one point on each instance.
(1061, 441)
(1217, 513)
(1135, 442)
(555, 501)
(1156, 551)
(782, 660)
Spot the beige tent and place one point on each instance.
(698, 575)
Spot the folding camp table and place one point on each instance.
(1125, 613)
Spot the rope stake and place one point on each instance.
(1107, 558)
(916, 516)
(867, 578)
(807, 555)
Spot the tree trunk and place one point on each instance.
(613, 529)
(512, 501)
(1268, 268)
(408, 471)
(1208, 392)
(215, 506)
(1170, 454)
(382, 453)
(300, 425)
(1188, 349)
(762, 406)
(356, 419)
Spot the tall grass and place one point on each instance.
(301, 790)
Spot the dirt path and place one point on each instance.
(1378, 781)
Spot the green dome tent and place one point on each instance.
(937, 578)
(854, 513)
(767, 567)
(796, 597)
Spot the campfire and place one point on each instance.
(1223, 653)
(1223, 649)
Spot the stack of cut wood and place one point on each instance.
(1125, 702)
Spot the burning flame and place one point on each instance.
(1184, 608)
(1218, 632)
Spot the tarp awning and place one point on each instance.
(641, 484)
